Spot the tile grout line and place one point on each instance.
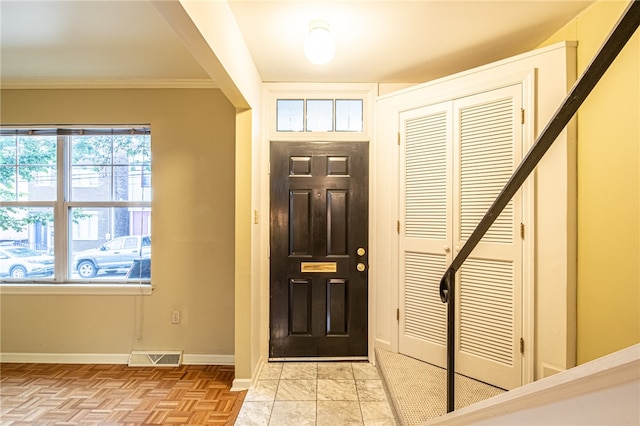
(273, 403)
(355, 384)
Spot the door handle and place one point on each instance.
(360, 267)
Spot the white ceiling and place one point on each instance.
(377, 41)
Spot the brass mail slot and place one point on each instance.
(318, 266)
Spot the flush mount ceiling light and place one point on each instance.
(319, 46)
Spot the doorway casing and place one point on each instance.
(271, 92)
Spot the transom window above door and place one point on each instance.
(319, 115)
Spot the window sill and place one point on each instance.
(78, 289)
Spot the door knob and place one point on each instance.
(360, 267)
(447, 249)
(361, 251)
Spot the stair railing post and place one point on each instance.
(448, 296)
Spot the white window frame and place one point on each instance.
(61, 283)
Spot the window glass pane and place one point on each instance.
(132, 149)
(92, 150)
(111, 168)
(26, 243)
(8, 149)
(349, 115)
(110, 243)
(290, 115)
(28, 168)
(36, 183)
(90, 183)
(8, 185)
(320, 115)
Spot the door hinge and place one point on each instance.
(398, 227)
(522, 231)
(398, 314)
(521, 115)
(522, 345)
(398, 138)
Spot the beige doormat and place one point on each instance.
(418, 390)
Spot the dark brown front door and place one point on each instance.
(319, 252)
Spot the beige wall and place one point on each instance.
(211, 34)
(193, 156)
(608, 189)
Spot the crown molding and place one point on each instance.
(108, 84)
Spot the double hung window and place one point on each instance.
(75, 205)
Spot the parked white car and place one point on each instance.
(21, 262)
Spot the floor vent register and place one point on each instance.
(155, 359)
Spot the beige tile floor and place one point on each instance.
(318, 394)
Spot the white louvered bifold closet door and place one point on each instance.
(456, 157)
(488, 148)
(425, 236)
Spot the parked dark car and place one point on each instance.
(141, 268)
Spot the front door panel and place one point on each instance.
(319, 221)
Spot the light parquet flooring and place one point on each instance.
(72, 394)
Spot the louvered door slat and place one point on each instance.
(425, 182)
(424, 313)
(486, 163)
(481, 331)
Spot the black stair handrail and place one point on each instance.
(617, 39)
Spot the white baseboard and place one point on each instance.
(257, 370)
(206, 359)
(76, 358)
(383, 344)
(240, 384)
(243, 384)
(550, 370)
(62, 358)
